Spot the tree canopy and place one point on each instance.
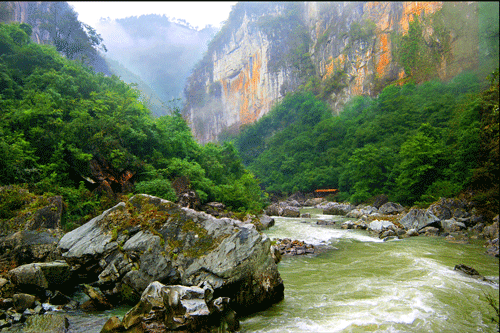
(58, 116)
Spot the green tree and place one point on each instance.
(422, 159)
(368, 169)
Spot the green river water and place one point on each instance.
(367, 285)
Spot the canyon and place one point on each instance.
(335, 49)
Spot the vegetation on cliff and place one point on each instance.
(415, 143)
(65, 129)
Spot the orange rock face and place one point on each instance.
(411, 8)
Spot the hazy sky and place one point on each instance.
(197, 14)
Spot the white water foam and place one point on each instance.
(314, 234)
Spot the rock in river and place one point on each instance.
(150, 239)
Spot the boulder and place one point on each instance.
(37, 277)
(452, 225)
(179, 308)
(274, 210)
(492, 247)
(214, 208)
(24, 247)
(325, 222)
(381, 225)
(293, 203)
(335, 208)
(293, 247)
(97, 301)
(189, 199)
(390, 208)
(29, 211)
(471, 272)
(23, 301)
(491, 231)
(411, 233)
(266, 221)
(446, 208)
(297, 199)
(47, 217)
(388, 234)
(113, 324)
(150, 239)
(419, 219)
(313, 202)
(430, 231)
(305, 215)
(290, 211)
(348, 225)
(358, 212)
(53, 323)
(380, 200)
(276, 253)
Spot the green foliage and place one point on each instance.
(485, 178)
(414, 143)
(58, 116)
(421, 55)
(158, 187)
(422, 159)
(362, 31)
(12, 199)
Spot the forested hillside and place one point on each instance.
(415, 143)
(66, 130)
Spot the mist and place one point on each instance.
(161, 52)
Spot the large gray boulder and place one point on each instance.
(380, 225)
(274, 210)
(390, 208)
(447, 208)
(47, 217)
(26, 246)
(150, 239)
(360, 211)
(452, 225)
(336, 208)
(419, 219)
(290, 211)
(37, 277)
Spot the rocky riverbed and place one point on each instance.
(453, 219)
(148, 252)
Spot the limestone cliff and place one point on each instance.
(25, 12)
(335, 49)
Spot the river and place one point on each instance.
(364, 284)
(367, 285)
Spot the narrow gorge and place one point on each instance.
(335, 49)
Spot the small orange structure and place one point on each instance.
(324, 192)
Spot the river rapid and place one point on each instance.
(366, 285)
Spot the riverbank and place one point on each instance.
(355, 231)
(454, 219)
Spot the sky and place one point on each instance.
(197, 14)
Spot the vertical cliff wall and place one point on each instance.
(335, 49)
(24, 12)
